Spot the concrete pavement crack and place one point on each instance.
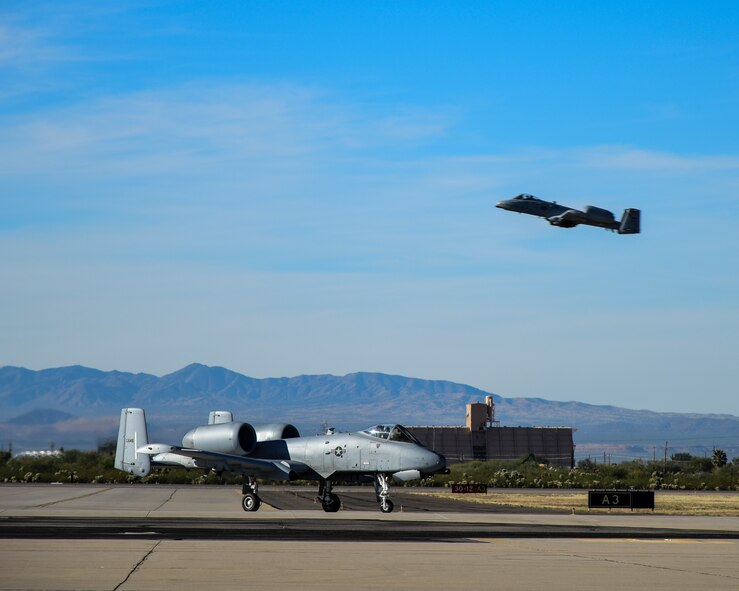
(164, 502)
(137, 566)
(97, 492)
(655, 566)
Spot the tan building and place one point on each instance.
(484, 439)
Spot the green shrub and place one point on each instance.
(695, 474)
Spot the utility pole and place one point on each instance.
(666, 456)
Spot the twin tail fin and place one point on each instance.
(630, 222)
(132, 435)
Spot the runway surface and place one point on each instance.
(160, 537)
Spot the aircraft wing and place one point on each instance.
(266, 468)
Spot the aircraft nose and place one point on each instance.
(437, 462)
(502, 204)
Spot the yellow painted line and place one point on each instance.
(652, 541)
(616, 541)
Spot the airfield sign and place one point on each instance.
(621, 499)
(469, 488)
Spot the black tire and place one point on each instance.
(250, 502)
(332, 504)
(387, 507)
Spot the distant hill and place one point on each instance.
(42, 416)
(191, 392)
(177, 401)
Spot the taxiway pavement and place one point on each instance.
(162, 537)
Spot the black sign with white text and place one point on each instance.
(621, 499)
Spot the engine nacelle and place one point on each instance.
(226, 438)
(598, 214)
(275, 431)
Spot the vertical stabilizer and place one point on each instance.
(630, 222)
(131, 436)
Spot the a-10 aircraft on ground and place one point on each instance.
(568, 217)
(277, 452)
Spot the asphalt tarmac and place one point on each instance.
(161, 537)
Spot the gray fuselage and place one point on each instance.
(340, 454)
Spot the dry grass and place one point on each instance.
(665, 503)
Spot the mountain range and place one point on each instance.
(78, 406)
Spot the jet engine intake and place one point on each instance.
(275, 431)
(226, 438)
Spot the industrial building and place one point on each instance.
(484, 439)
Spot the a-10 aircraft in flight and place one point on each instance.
(568, 217)
(277, 452)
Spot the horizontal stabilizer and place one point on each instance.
(156, 448)
(197, 458)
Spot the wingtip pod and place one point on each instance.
(132, 435)
(630, 222)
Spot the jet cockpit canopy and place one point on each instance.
(392, 433)
(524, 196)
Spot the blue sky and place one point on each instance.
(309, 187)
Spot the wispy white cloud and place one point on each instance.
(610, 157)
(635, 159)
(310, 179)
(36, 51)
(223, 172)
(23, 46)
(250, 131)
(196, 126)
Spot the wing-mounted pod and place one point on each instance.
(567, 219)
(407, 475)
(275, 431)
(228, 438)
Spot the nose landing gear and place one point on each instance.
(382, 491)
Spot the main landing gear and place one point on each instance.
(250, 501)
(329, 501)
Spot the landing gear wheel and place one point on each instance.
(331, 504)
(382, 490)
(250, 502)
